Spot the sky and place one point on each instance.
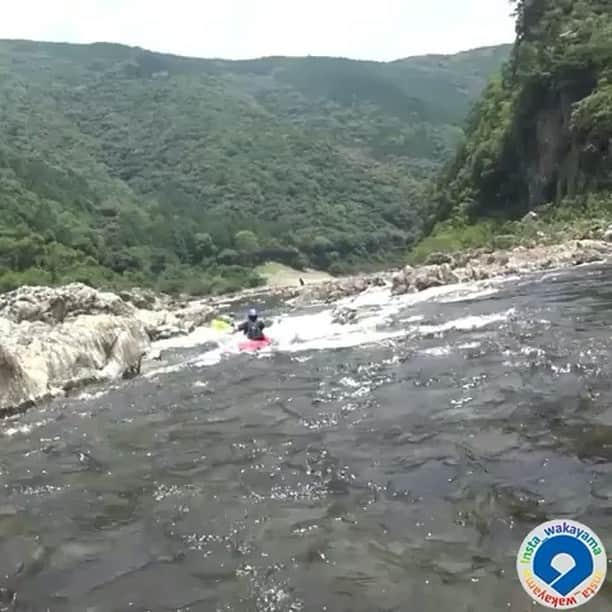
(242, 29)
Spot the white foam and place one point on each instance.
(309, 331)
(19, 429)
(209, 358)
(471, 295)
(443, 351)
(87, 395)
(319, 332)
(164, 370)
(199, 336)
(468, 323)
(347, 381)
(437, 351)
(23, 428)
(468, 346)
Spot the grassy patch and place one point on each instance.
(575, 218)
(453, 236)
(279, 274)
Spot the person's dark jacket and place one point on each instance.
(253, 330)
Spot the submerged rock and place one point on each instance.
(343, 316)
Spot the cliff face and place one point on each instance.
(553, 161)
(543, 131)
(551, 144)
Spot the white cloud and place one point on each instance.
(373, 29)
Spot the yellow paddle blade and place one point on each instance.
(220, 325)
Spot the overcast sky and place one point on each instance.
(237, 29)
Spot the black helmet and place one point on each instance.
(252, 314)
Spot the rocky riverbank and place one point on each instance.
(55, 339)
(445, 269)
(442, 269)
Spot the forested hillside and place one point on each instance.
(541, 135)
(123, 166)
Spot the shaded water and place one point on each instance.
(391, 465)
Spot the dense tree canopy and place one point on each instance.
(542, 132)
(118, 165)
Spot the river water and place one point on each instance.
(390, 464)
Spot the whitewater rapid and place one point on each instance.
(380, 317)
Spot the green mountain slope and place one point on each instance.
(119, 165)
(541, 135)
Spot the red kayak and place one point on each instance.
(254, 345)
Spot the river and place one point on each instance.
(392, 464)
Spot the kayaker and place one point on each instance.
(252, 327)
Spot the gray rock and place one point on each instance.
(399, 283)
(343, 316)
(333, 290)
(54, 305)
(446, 274)
(426, 277)
(194, 315)
(460, 260)
(165, 332)
(501, 259)
(436, 259)
(66, 355)
(141, 298)
(530, 216)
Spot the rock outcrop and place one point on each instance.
(164, 324)
(607, 234)
(144, 298)
(436, 259)
(54, 305)
(39, 359)
(55, 339)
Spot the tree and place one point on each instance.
(228, 257)
(246, 242)
(204, 247)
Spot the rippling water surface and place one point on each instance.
(393, 464)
